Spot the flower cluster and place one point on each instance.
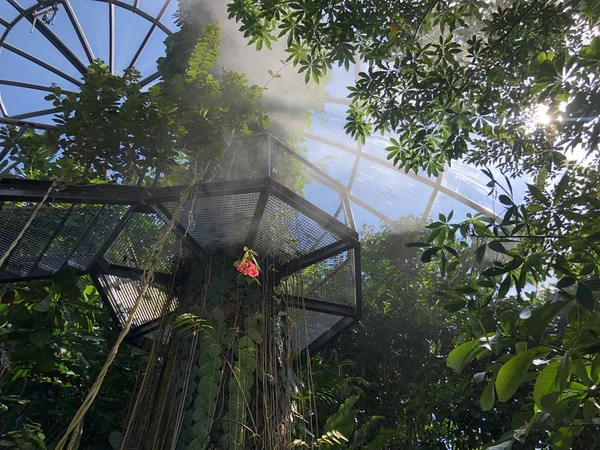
(248, 268)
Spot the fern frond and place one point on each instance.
(205, 53)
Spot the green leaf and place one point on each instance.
(44, 304)
(590, 410)
(541, 317)
(428, 254)
(497, 247)
(40, 338)
(480, 253)
(520, 347)
(537, 194)
(115, 438)
(546, 382)
(494, 271)
(465, 289)
(593, 284)
(564, 437)
(549, 400)
(596, 369)
(565, 282)
(488, 397)
(418, 245)
(504, 286)
(508, 321)
(505, 200)
(563, 371)
(585, 296)
(463, 355)
(561, 187)
(255, 335)
(541, 57)
(511, 374)
(455, 305)
(581, 371)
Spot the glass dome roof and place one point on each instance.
(44, 42)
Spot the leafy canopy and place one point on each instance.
(531, 301)
(451, 79)
(114, 130)
(465, 80)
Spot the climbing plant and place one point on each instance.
(112, 130)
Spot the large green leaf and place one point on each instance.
(44, 304)
(39, 338)
(488, 397)
(541, 317)
(596, 369)
(510, 374)
(585, 296)
(537, 194)
(546, 382)
(463, 355)
(563, 437)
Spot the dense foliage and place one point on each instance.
(451, 79)
(488, 335)
(393, 361)
(531, 301)
(511, 84)
(114, 130)
(54, 337)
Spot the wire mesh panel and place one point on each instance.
(286, 234)
(59, 233)
(123, 292)
(331, 280)
(135, 244)
(218, 223)
(263, 155)
(246, 158)
(308, 326)
(73, 228)
(13, 219)
(95, 235)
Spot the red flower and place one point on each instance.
(248, 268)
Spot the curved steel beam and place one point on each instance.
(370, 209)
(149, 34)
(22, 84)
(41, 63)
(25, 123)
(434, 194)
(3, 110)
(150, 78)
(139, 12)
(79, 31)
(111, 37)
(28, 115)
(48, 34)
(429, 182)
